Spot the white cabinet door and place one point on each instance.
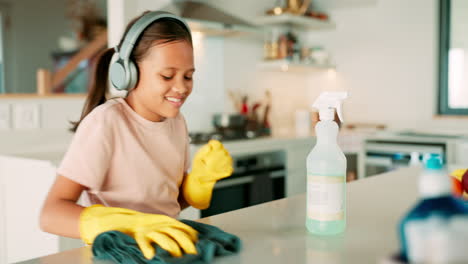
(3, 243)
(26, 183)
(462, 154)
(296, 167)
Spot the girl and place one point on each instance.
(131, 154)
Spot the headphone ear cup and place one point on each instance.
(133, 76)
(117, 74)
(114, 78)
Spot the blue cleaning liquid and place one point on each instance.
(435, 230)
(442, 208)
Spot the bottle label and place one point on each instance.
(325, 196)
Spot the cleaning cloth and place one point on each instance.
(121, 248)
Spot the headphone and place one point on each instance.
(123, 72)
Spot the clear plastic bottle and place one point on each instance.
(435, 230)
(326, 172)
(414, 159)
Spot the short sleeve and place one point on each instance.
(187, 161)
(187, 156)
(89, 155)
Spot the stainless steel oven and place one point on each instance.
(257, 178)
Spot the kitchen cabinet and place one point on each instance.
(461, 156)
(24, 184)
(387, 151)
(296, 167)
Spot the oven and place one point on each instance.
(257, 178)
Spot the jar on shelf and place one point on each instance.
(319, 55)
(305, 54)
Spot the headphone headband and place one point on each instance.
(123, 73)
(139, 26)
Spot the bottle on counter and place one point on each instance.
(326, 171)
(414, 159)
(436, 229)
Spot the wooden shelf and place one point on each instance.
(287, 66)
(221, 30)
(40, 96)
(296, 21)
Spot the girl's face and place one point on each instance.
(165, 81)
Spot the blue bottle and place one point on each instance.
(436, 229)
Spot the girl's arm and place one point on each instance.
(60, 214)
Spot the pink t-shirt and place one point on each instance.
(128, 161)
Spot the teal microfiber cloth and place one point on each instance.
(122, 248)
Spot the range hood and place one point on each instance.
(209, 19)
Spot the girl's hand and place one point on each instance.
(169, 233)
(212, 162)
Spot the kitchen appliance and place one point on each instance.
(198, 138)
(227, 127)
(257, 178)
(209, 19)
(385, 155)
(226, 121)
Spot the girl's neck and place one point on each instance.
(141, 110)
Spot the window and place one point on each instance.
(453, 57)
(2, 59)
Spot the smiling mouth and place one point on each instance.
(175, 101)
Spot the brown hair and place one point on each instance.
(161, 31)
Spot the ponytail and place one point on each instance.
(97, 92)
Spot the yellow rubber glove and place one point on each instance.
(163, 230)
(460, 186)
(210, 164)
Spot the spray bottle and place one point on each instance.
(326, 171)
(435, 229)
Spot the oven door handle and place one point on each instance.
(245, 179)
(235, 181)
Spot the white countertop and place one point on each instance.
(52, 144)
(262, 144)
(42, 144)
(275, 232)
(418, 137)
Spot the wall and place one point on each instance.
(386, 57)
(52, 135)
(386, 54)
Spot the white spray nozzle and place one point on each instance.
(327, 102)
